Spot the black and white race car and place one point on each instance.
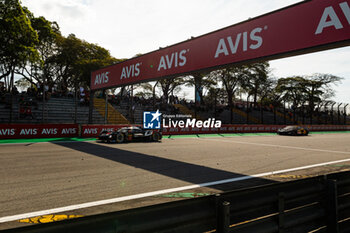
(293, 130)
(129, 134)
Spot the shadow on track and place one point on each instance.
(193, 173)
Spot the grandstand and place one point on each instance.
(66, 110)
(56, 110)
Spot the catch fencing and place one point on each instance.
(319, 204)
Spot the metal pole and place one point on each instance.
(311, 113)
(215, 104)
(326, 112)
(11, 97)
(332, 117)
(43, 110)
(339, 113)
(247, 104)
(284, 114)
(318, 113)
(261, 113)
(75, 105)
(345, 113)
(224, 217)
(91, 107)
(106, 105)
(303, 114)
(281, 212)
(132, 103)
(294, 117)
(332, 206)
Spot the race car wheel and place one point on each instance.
(120, 138)
(155, 137)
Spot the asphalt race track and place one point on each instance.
(45, 176)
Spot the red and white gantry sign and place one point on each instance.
(305, 27)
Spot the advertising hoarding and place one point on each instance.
(301, 28)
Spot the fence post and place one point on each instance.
(91, 107)
(281, 208)
(332, 206)
(106, 106)
(224, 217)
(345, 113)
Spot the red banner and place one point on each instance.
(95, 130)
(15, 131)
(300, 28)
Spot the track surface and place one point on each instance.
(44, 176)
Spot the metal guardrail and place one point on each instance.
(319, 204)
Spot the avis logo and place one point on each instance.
(101, 78)
(331, 19)
(254, 41)
(151, 120)
(131, 71)
(174, 60)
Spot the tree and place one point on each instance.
(201, 81)
(169, 86)
(41, 70)
(291, 90)
(146, 90)
(231, 78)
(17, 39)
(318, 87)
(307, 89)
(256, 80)
(76, 59)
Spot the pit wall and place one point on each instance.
(19, 131)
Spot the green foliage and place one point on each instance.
(17, 38)
(34, 48)
(76, 59)
(170, 86)
(300, 90)
(257, 79)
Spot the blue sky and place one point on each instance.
(130, 27)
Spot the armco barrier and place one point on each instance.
(319, 204)
(15, 131)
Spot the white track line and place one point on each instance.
(279, 146)
(159, 192)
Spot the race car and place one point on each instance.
(104, 136)
(132, 133)
(293, 130)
